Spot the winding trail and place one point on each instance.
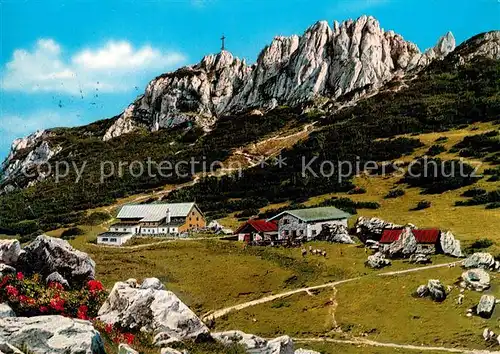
(363, 341)
(226, 310)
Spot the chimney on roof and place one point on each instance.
(167, 220)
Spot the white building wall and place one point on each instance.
(132, 229)
(113, 241)
(314, 229)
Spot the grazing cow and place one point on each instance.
(324, 254)
(304, 252)
(460, 299)
(310, 249)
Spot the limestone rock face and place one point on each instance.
(479, 260)
(450, 245)
(6, 311)
(151, 309)
(486, 306)
(354, 56)
(46, 255)
(484, 45)
(51, 335)
(377, 261)
(40, 151)
(476, 279)
(9, 251)
(255, 344)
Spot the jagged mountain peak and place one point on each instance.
(325, 61)
(340, 63)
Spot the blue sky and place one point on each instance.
(66, 63)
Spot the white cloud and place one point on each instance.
(117, 66)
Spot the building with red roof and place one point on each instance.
(257, 230)
(427, 239)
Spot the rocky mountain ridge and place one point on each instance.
(354, 56)
(327, 67)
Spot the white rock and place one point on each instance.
(152, 283)
(479, 260)
(377, 261)
(255, 344)
(305, 351)
(151, 310)
(6, 311)
(450, 245)
(57, 278)
(353, 56)
(9, 251)
(51, 335)
(476, 279)
(486, 306)
(46, 255)
(437, 290)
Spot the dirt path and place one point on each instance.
(364, 341)
(154, 244)
(224, 311)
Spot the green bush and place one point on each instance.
(435, 150)
(482, 243)
(395, 193)
(423, 204)
(71, 233)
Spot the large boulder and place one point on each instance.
(153, 310)
(405, 245)
(450, 245)
(476, 279)
(479, 260)
(46, 255)
(437, 291)
(9, 251)
(6, 311)
(336, 234)
(486, 306)
(372, 228)
(51, 335)
(255, 344)
(377, 261)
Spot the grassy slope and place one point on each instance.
(382, 307)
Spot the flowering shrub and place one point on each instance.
(114, 333)
(29, 296)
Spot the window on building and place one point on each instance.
(286, 221)
(105, 239)
(301, 232)
(113, 239)
(314, 232)
(287, 232)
